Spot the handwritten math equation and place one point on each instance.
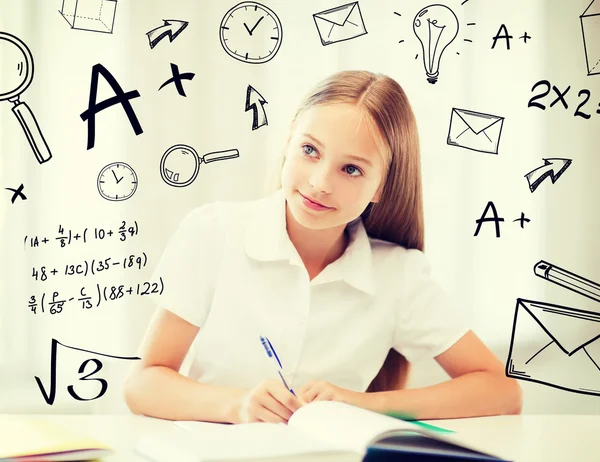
(53, 302)
(560, 98)
(67, 237)
(49, 393)
(93, 266)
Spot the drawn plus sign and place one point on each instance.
(523, 219)
(525, 37)
(177, 78)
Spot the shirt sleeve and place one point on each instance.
(427, 321)
(189, 264)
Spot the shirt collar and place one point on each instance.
(271, 243)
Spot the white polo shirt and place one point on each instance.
(231, 269)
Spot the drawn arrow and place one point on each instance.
(553, 168)
(171, 28)
(253, 99)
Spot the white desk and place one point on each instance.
(524, 438)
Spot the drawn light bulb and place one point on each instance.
(436, 26)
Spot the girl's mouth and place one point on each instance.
(313, 205)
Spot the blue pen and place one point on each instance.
(271, 354)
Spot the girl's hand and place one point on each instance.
(318, 390)
(269, 401)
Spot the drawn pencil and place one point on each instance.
(567, 279)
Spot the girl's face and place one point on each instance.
(331, 158)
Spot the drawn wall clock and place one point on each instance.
(251, 32)
(117, 181)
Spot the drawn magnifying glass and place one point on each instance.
(16, 66)
(180, 164)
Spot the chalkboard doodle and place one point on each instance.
(490, 215)
(68, 236)
(565, 353)
(49, 393)
(251, 33)
(171, 28)
(503, 34)
(17, 75)
(553, 168)
(117, 181)
(561, 100)
(475, 130)
(53, 302)
(341, 23)
(90, 15)
(180, 164)
(17, 193)
(177, 79)
(590, 29)
(568, 280)
(90, 266)
(436, 27)
(121, 98)
(256, 102)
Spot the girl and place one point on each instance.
(330, 268)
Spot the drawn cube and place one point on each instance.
(590, 28)
(91, 15)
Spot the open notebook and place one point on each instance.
(327, 431)
(30, 439)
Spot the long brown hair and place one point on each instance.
(398, 215)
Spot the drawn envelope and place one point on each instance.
(475, 130)
(341, 23)
(555, 345)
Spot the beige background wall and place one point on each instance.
(484, 274)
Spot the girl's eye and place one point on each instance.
(308, 149)
(352, 170)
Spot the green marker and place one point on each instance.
(407, 418)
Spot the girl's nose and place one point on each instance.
(320, 180)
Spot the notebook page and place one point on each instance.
(355, 428)
(18, 438)
(344, 425)
(24, 435)
(214, 441)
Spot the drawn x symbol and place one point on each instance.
(17, 193)
(177, 78)
(560, 96)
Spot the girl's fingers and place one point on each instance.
(266, 415)
(310, 395)
(307, 386)
(323, 395)
(274, 406)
